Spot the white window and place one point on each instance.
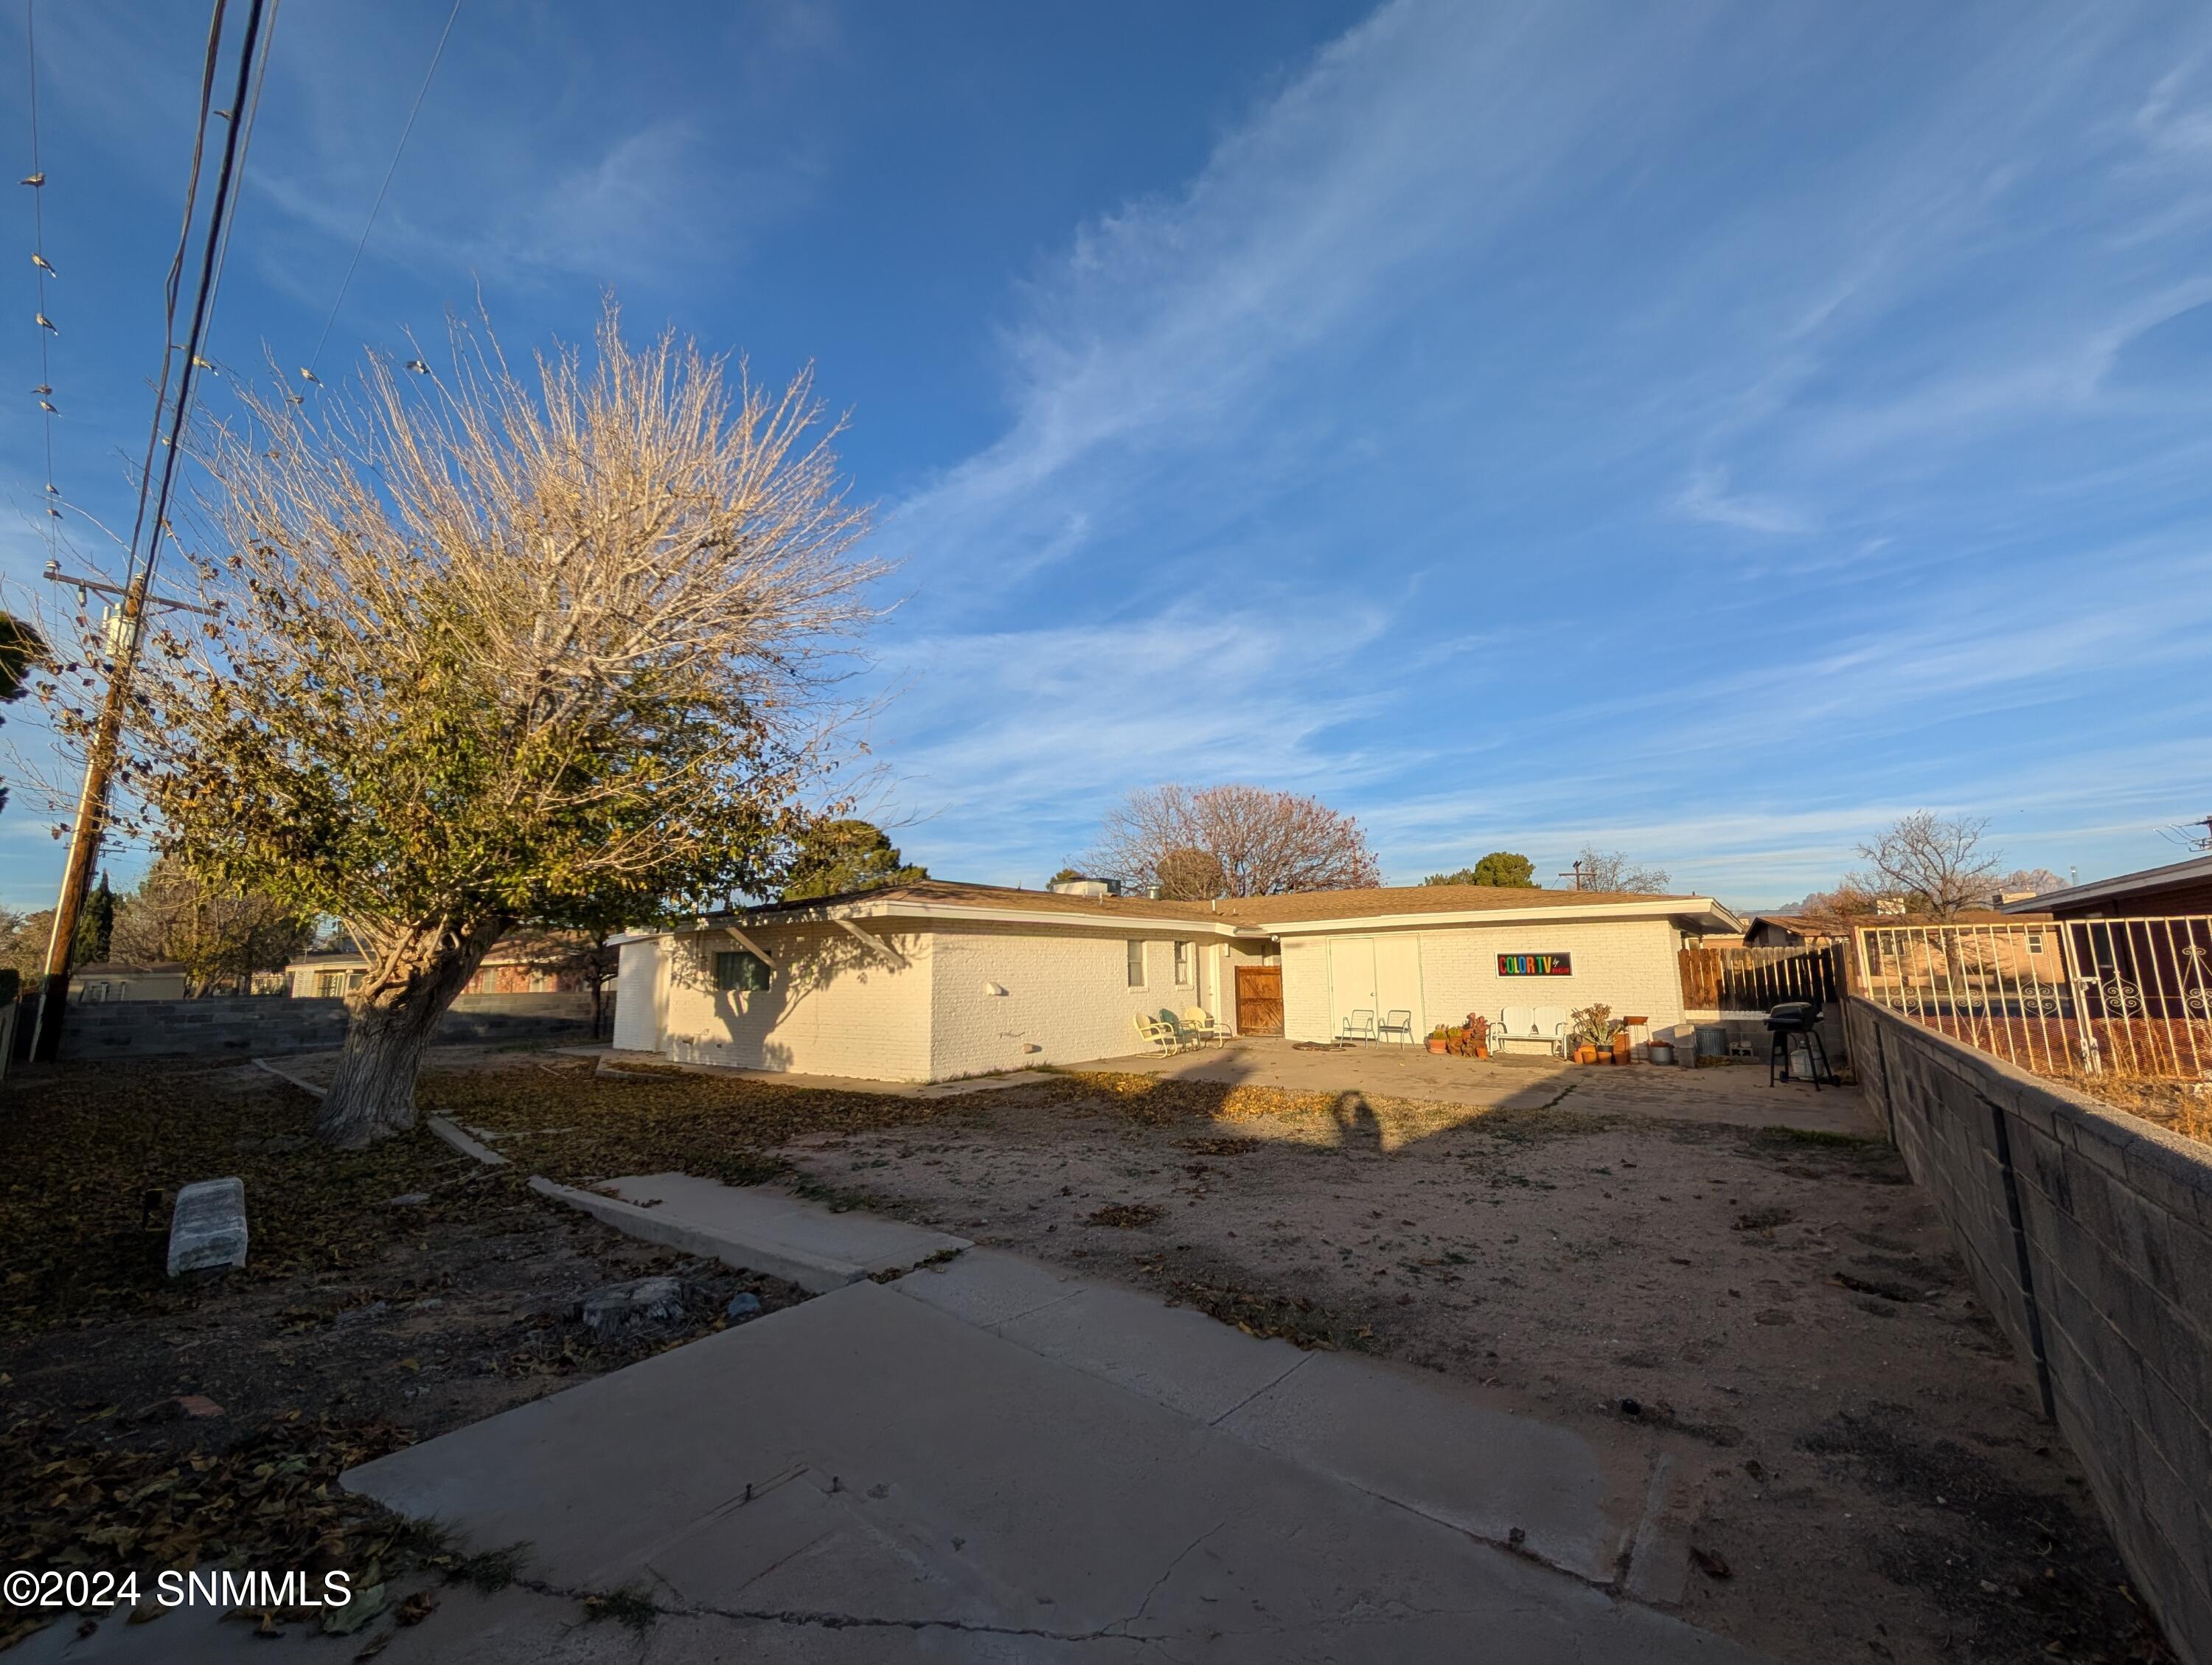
(1182, 965)
(1136, 965)
(2035, 942)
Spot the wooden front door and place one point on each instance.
(1259, 1000)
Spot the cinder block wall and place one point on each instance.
(2105, 1287)
(265, 1024)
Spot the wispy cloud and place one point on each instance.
(1707, 498)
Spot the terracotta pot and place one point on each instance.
(1585, 1054)
(1622, 1049)
(1482, 1051)
(1436, 1045)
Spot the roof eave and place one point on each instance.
(1703, 911)
(2194, 869)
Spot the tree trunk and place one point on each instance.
(394, 1013)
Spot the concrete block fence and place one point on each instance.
(2089, 1234)
(263, 1025)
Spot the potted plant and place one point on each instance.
(1592, 1028)
(1439, 1039)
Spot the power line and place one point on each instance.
(244, 147)
(89, 823)
(169, 289)
(428, 75)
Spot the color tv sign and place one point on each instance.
(1535, 965)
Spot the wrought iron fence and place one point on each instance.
(2130, 995)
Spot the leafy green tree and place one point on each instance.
(21, 648)
(501, 646)
(1502, 868)
(835, 857)
(96, 926)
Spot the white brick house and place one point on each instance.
(929, 981)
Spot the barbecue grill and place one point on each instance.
(1797, 1022)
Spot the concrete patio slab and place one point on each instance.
(1734, 1094)
(816, 1248)
(650, 1065)
(923, 1489)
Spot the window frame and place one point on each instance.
(1186, 962)
(748, 967)
(1139, 972)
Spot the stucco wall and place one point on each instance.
(833, 1006)
(1627, 964)
(1067, 993)
(2089, 1234)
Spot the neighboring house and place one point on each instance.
(521, 963)
(1784, 930)
(931, 980)
(110, 979)
(2182, 888)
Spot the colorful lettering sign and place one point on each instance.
(1535, 965)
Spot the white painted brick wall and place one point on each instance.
(1627, 964)
(1067, 993)
(1305, 988)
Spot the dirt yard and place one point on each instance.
(1862, 1473)
(389, 1295)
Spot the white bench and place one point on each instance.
(1544, 1026)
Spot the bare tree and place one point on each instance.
(1199, 843)
(499, 647)
(1937, 866)
(220, 938)
(1611, 872)
(2029, 881)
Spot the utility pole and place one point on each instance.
(90, 823)
(1577, 875)
(123, 625)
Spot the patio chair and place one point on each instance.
(1396, 1025)
(1163, 1037)
(1357, 1025)
(1199, 1023)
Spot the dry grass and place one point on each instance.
(2167, 1104)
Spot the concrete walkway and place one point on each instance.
(1734, 1093)
(869, 1477)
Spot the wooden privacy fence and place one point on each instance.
(2132, 995)
(1759, 979)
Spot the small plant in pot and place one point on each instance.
(1440, 1039)
(1471, 1039)
(1592, 1028)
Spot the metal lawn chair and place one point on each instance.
(1358, 1026)
(1164, 1037)
(1200, 1024)
(1398, 1026)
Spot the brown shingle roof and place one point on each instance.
(1243, 910)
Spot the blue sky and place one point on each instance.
(1710, 431)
